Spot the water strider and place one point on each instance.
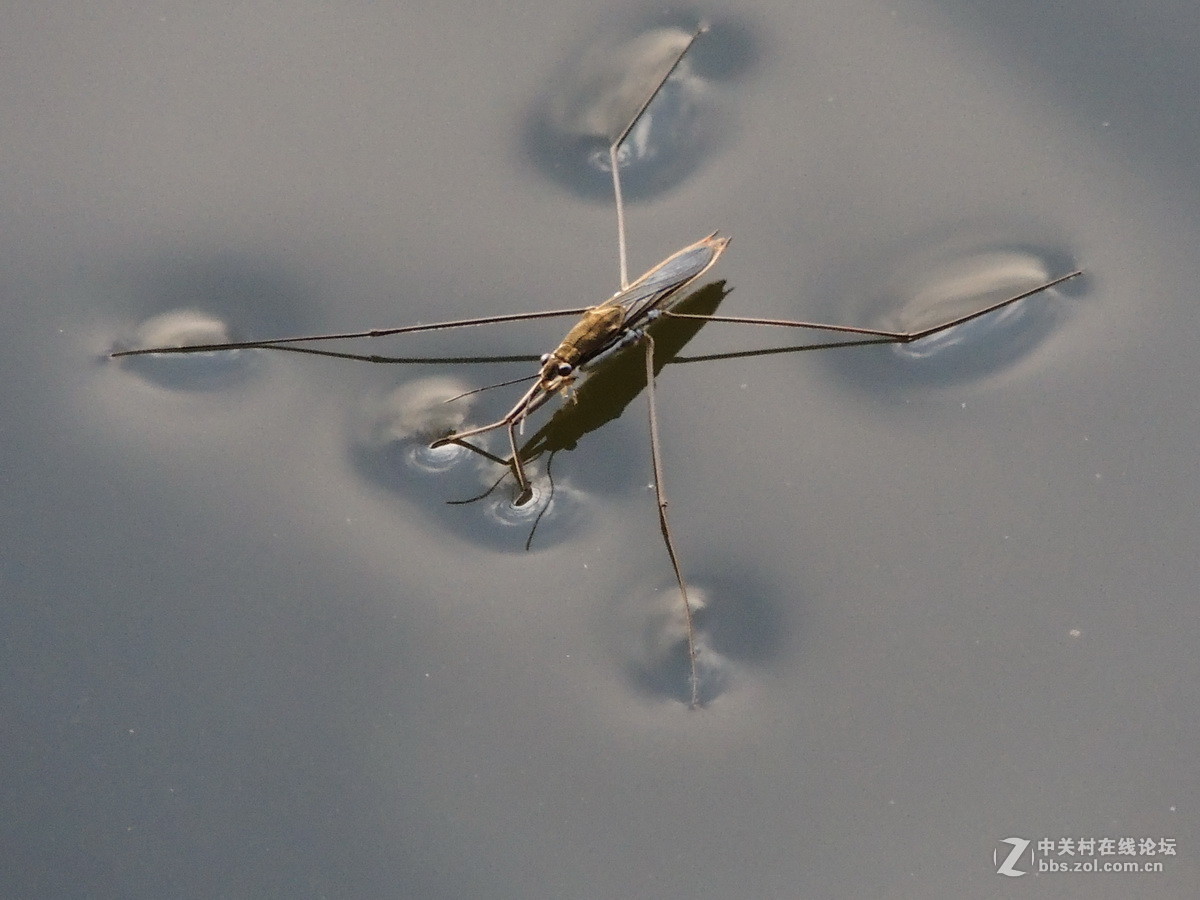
(618, 322)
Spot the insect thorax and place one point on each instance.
(595, 330)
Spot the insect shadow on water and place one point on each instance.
(594, 346)
(602, 396)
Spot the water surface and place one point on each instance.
(950, 596)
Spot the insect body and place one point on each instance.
(615, 323)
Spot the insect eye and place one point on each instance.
(544, 358)
(564, 369)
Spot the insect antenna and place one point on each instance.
(488, 387)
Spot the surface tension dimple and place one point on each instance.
(190, 371)
(571, 134)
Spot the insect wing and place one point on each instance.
(652, 290)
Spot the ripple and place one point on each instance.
(420, 455)
(469, 491)
(204, 370)
(507, 512)
(392, 436)
(553, 513)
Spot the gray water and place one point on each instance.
(949, 599)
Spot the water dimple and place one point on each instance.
(961, 287)
(602, 91)
(553, 511)
(203, 370)
(668, 674)
(422, 455)
(504, 510)
(472, 493)
(739, 626)
(420, 412)
(392, 439)
(652, 635)
(946, 290)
